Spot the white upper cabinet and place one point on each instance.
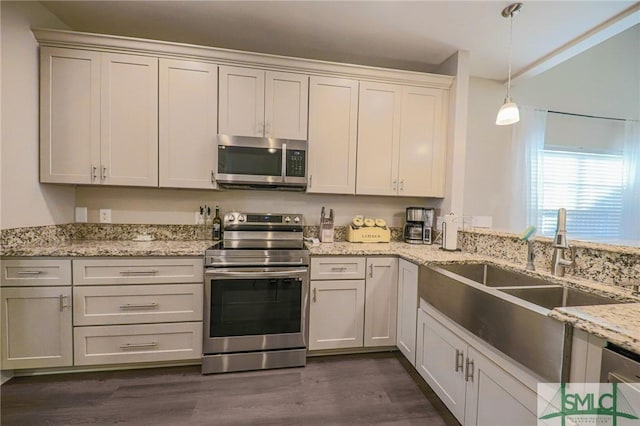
(99, 118)
(129, 128)
(421, 163)
(333, 132)
(69, 115)
(378, 138)
(263, 103)
(401, 140)
(188, 112)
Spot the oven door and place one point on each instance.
(255, 309)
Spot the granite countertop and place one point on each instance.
(619, 324)
(127, 248)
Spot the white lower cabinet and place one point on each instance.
(477, 390)
(137, 310)
(137, 343)
(336, 314)
(407, 309)
(356, 311)
(36, 327)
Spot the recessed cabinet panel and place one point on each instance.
(129, 149)
(188, 124)
(378, 138)
(118, 344)
(36, 327)
(69, 115)
(381, 300)
(106, 305)
(407, 309)
(241, 101)
(35, 272)
(333, 134)
(336, 314)
(422, 150)
(137, 271)
(337, 268)
(286, 105)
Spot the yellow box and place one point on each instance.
(368, 234)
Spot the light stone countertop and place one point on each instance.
(94, 248)
(619, 324)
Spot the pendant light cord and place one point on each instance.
(510, 51)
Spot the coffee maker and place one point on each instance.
(418, 225)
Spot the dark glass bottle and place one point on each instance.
(217, 226)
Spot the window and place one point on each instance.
(589, 186)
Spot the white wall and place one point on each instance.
(603, 81)
(24, 201)
(177, 206)
(486, 186)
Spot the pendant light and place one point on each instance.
(509, 113)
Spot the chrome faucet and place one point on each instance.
(560, 243)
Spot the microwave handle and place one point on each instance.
(284, 161)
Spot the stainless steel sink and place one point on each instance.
(493, 276)
(508, 310)
(553, 297)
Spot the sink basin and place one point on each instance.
(553, 297)
(493, 276)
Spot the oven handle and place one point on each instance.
(299, 262)
(257, 274)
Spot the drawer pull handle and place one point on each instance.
(127, 306)
(468, 374)
(338, 268)
(29, 272)
(149, 272)
(315, 295)
(459, 360)
(138, 345)
(63, 304)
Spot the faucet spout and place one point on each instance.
(560, 244)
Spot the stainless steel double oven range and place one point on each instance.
(256, 294)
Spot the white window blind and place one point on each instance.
(589, 186)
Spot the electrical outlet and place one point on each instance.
(81, 215)
(197, 218)
(105, 215)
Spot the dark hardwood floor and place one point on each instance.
(381, 389)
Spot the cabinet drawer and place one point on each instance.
(131, 304)
(337, 268)
(120, 344)
(35, 272)
(137, 271)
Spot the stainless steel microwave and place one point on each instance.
(261, 163)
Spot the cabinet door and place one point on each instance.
(188, 107)
(378, 138)
(36, 327)
(336, 314)
(129, 142)
(333, 133)
(422, 143)
(496, 398)
(381, 301)
(241, 103)
(69, 115)
(440, 362)
(286, 105)
(407, 309)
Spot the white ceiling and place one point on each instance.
(413, 35)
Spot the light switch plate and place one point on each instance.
(105, 215)
(81, 215)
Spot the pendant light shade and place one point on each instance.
(508, 112)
